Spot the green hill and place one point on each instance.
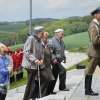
(19, 30)
(11, 27)
(79, 40)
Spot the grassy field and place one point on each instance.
(20, 82)
(11, 27)
(77, 41)
(72, 42)
(14, 47)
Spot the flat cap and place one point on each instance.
(59, 30)
(38, 29)
(97, 10)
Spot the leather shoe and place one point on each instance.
(92, 93)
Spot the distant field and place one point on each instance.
(17, 46)
(77, 40)
(4, 36)
(13, 27)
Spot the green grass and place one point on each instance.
(20, 82)
(11, 27)
(76, 42)
(14, 47)
(85, 62)
(79, 40)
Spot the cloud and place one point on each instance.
(19, 9)
(13, 9)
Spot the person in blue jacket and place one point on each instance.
(4, 73)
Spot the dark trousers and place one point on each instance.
(89, 74)
(44, 80)
(43, 87)
(2, 96)
(58, 69)
(30, 84)
(92, 65)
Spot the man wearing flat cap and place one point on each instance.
(58, 56)
(93, 51)
(33, 56)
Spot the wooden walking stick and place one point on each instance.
(39, 80)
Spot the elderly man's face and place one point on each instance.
(40, 35)
(61, 35)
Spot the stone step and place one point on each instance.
(53, 97)
(78, 93)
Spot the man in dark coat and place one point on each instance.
(46, 72)
(94, 51)
(58, 56)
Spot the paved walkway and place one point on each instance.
(72, 81)
(79, 91)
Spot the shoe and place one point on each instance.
(91, 93)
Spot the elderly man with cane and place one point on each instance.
(32, 60)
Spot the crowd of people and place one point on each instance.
(41, 58)
(10, 67)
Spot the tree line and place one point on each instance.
(72, 25)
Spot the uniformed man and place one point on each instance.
(33, 56)
(58, 56)
(94, 51)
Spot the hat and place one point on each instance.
(97, 10)
(59, 30)
(38, 29)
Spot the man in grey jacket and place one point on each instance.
(58, 56)
(33, 56)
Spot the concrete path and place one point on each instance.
(73, 79)
(79, 91)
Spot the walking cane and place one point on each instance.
(39, 80)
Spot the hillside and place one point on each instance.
(19, 30)
(11, 27)
(79, 40)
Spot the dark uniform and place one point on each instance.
(45, 73)
(93, 53)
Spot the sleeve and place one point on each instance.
(52, 49)
(3, 69)
(64, 52)
(29, 49)
(10, 65)
(94, 35)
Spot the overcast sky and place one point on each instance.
(15, 10)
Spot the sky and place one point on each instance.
(18, 10)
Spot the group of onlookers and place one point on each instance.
(10, 68)
(42, 59)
